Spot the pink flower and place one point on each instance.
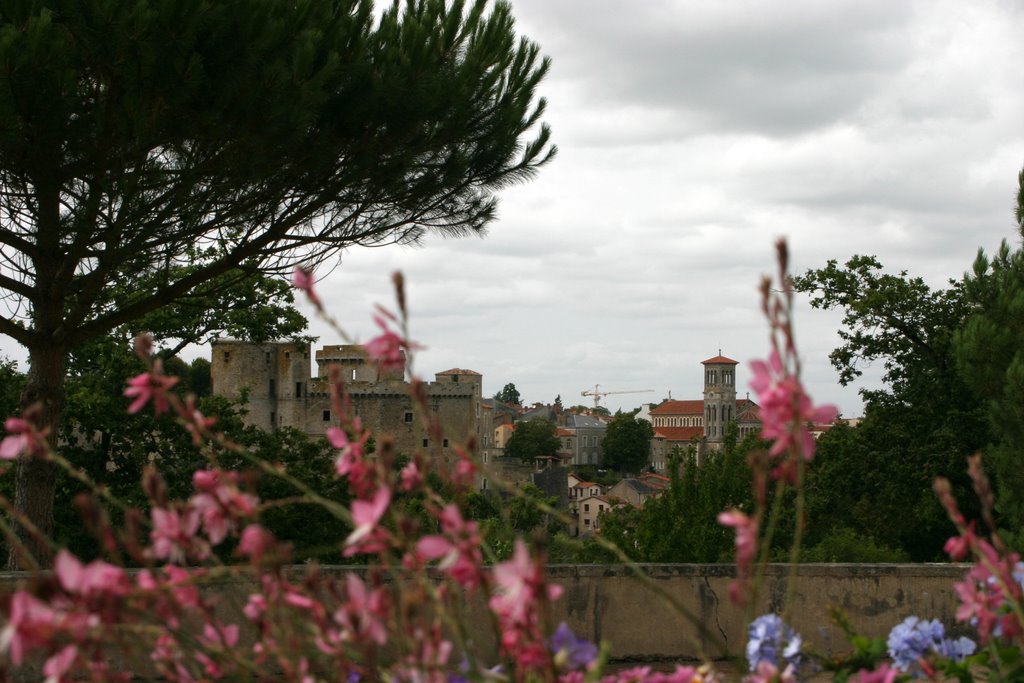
(746, 550)
(786, 410)
(302, 279)
(220, 503)
(147, 386)
(57, 666)
(517, 601)
(883, 674)
(256, 607)
(352, 453)
(31, 623)
(196, 423)
(366, 515)
(361, 616)
(387, 349)
(255, 542)
(23, 437)
(173, 534)
(766, 672)
(411, 477)
(97, 577)
(459, 548)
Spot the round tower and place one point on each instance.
(719, 396)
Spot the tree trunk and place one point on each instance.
(36, 480)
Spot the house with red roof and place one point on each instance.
(702, 422)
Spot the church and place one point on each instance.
(702, 422)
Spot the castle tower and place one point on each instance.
(719, 396)
(272, 378)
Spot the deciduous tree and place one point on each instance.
(184, 148)
(627, 443)
(532, 439)
(509, 394)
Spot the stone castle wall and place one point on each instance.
(280, 390)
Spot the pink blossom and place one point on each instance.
(746, 536)
(220, 503)
(31, 623)
(149, 386)
(196, 423)
(766, 672)
(256, 606)
(97, 577)
(352, 452)
(786, 410)
(411, 477)
(57, 666)
(255, 542)
(387, 349)
(459, 548)
(173, 534)
(23, 437)
(883, 674)
(361, 616)
(516, 602)
(366, 515)
(302, 279)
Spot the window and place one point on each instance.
(426, 442)
(445, 443)
(298, 390)
(353, 374)
(483, 484)
(287, 354)
(327, 416)
(408, 416)
(227, 356)
(485, 461)
(273, 418)
(273, 388)
(586, 522)
(586, 507)
(266, 357)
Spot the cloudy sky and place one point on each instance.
(693, 134)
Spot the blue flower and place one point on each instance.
(957, 649)
(914, 638)
(569, 651)
(767, 636)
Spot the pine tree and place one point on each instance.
(184, 146)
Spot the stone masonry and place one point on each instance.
(276, 382)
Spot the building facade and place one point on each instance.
(276, 383)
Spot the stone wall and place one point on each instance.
(606, 603)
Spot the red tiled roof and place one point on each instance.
(679, 433)
(460, 371)
(695, 407)
(584, 484)
(745, 402)
(562, 431)
(720, 360)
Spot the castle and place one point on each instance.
(278, 386)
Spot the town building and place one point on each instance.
(279, 389)
(702, 422)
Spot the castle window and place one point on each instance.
(327, 416)
(455, 378)
(227, 356)
(426, 442)
(273, 388)
(298, 390)
(273, 418)
(483, 484)
(445, 443)
(266, 357)
(408, 416)
(287, 354)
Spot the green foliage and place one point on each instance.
(876, 479)
(532, 439)
(627, 443)
(169, 153)
(842, 544)
(990, 355)
(681, 525)
(509, 395)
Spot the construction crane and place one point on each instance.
(598, 394)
